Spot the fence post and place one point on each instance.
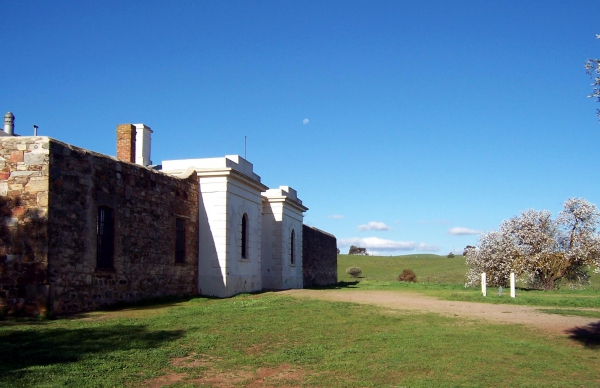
(483, 284)
(512, 285)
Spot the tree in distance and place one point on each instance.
(542, 250)
(354, 271)
(357, 251)
(466, 249)
(592, 68)
(450, 255)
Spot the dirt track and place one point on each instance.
(411, 301)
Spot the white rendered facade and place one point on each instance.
(282, 239)
(230, 259)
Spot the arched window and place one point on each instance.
(292, 247)
(244, 236)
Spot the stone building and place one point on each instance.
(80, 230)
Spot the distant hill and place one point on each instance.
(427, 267)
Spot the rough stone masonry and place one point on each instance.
(50, 193)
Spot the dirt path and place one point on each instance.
(501, 313)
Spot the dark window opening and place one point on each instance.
(292, 238)
(105, 237)
(179, 240)
(244, 236)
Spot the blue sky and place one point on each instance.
(405, 126)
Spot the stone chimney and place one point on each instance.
(9, 123)
(126, 142)
(142, 144)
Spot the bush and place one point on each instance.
(450, 255)
(354, 272)
(407, 276)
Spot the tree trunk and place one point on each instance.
(548, 285)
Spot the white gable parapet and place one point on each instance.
(215, 166)
(282, 239)
(229, 198)
(143, 144)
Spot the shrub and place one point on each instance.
(407, 276)
(450, 255)
(354, 271)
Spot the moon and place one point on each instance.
(305, 121)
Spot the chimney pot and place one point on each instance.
(9, 123)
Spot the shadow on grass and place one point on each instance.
(141, 305)
(28, 348)
(588, 336)
(336, 286)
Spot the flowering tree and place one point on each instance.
(494, 255)
(540, 248)
(593, 66)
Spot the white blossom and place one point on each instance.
(539, 249)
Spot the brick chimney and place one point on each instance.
(126, 142)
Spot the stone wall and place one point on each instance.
(50, 193)
(146, 204)
(319, 257)
(23, 224)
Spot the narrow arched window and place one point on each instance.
(292, 247)
(244, 236)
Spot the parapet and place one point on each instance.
(233, 162)
(283, 194)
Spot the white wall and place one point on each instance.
(228, 190)
(243, 274)
(213, 217)
(282, 213)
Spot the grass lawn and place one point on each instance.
(269, 340)
(274, 340)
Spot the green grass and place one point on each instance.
(272, 340)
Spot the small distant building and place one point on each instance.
(80, 230)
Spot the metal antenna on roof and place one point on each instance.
(245, 147)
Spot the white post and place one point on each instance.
(512, 284)
(483, 284)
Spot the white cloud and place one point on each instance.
(427, 247)
(336, 216)
(378, 243)
(374, 225)
(305, 121)
(459, 231)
